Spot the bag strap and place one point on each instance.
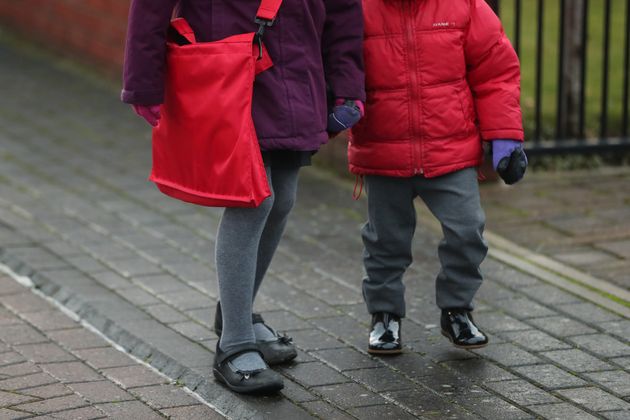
(268, 10)
(265, 18)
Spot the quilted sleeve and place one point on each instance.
(145, 51)
(494, 75)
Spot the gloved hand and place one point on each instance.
(150, 113)
(344, 115)
(509, 160)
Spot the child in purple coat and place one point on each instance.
(314, 44)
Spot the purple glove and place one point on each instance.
(150, 113)
(509, 160)
(344, 115)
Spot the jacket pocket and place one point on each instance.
(443, 112)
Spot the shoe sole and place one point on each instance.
(265, 389)
(459, 346)
(385, 352)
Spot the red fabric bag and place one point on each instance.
(205, 148)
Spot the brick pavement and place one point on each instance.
(52, 367)
(78, 217)
(580, 218)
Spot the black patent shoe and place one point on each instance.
(458, 326)
(261, 381)
(275, 352)
(385, 334)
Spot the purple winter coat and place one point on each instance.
(312, 43)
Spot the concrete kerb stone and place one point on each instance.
(196, 383)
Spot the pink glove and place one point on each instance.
(150, 113)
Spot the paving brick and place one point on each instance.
(615, 415)
(111, 280)
(77, 339)
(522, 392)
(193, 330)
(425, 403)
(577, 360)
(588, 312)
(345, 359)
(54, 404)
(314, 374)
(379, 412)
(44, 353)
(618, 328)
(315, 340)
(19, 369)
(349, 395)
(101, 392)
(561, 326)
(535, 340)
(561, 411)
(79, 413)
(71, 372)
(27, 381)
(159, 284)
(414, 365)
(615, 380)
(480, 369)
(524, 308)
(134, 376)
(21, 334)
(165, 314)
(508, 355)
(138, 296)
(325, 410)
(285, 321)
(25, 302)
(186, 299)
(497, 322)
(602, 345)
(624, 362)
(12, 398)
(129, 409)
(595, 399)
(193, 412)
(164, 396)
(493, 407)
(48, 391)
(550, 376)
(104, 357)
(10, 358)
(297, 393)
(381, 379)
(49, 320)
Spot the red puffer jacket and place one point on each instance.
(441, 75)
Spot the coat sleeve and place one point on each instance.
(145, 51)
(342, 48)
(494, 75)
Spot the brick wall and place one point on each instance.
(93, 30)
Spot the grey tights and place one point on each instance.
(246, 242)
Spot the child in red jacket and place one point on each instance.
(441, 77)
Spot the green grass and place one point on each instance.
(550, 63)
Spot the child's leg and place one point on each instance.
(387, 239)
(454, 200)
(285, 183)
(238, 239)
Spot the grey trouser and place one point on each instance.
(387, 237)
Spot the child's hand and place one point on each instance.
(509, 160)
(150, 113)
(344, 115)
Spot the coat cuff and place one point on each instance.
(512, 134)
(147, 97)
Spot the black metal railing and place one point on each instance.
(568, 127)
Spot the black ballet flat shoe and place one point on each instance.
(261, 381)
(275, 352)
(458, 326)
(385, 334)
